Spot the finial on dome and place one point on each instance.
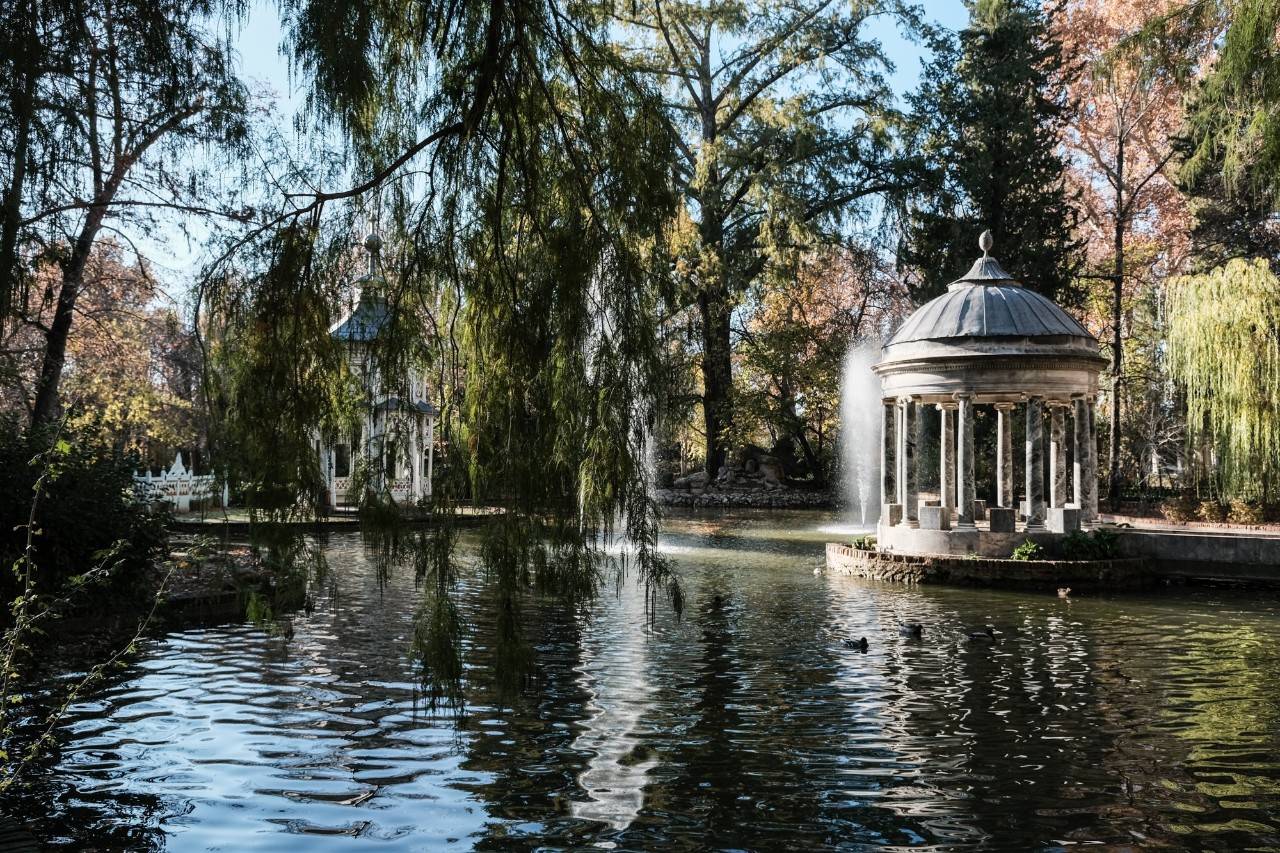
(985, 242)
(373, 244)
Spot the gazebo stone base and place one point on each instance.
(935, 518)
(1063, 519)
(961, 541)
(1045, 575)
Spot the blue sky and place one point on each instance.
(259, 42)
(261, 38)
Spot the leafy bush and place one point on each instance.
(1106, 544)
(864, 543)
(1028, 550)
(1244, 512)
(1211, 511)
(1180, 509)
(1100, 544)
(1076, 546)
(86, 511)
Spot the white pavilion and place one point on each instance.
(396, 436)
(988, 341)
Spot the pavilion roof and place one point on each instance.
(988, 303)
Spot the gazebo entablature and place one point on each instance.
(992, 387)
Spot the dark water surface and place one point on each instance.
(1125, 722)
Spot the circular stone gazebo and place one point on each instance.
(988, 341)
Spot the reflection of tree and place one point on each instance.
(1202, 761)
(711, 783)
(523, 744)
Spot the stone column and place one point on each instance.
(431, 454)
(887, 456)
(1089, 510)
(330, 489)
(1004, 455)
(1057, 455)
(415, 459)
(947, 454)
(1079, 452)
(1035, 463)
(900, 457)
(322, 453)
(909, 489)
(966, 488)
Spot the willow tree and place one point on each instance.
(784, 128)
(1224, 352)
(521, 176)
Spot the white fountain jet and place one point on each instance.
(860, 424)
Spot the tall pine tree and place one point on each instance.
(988, 118)
(1230, 142)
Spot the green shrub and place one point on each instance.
(87, 509)
(864, 543)
(1100, 544)
(1028, 550)
(1211, 511)
(1244, 512)
(1076, 546)
(1106, 544)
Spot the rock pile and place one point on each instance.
(756, 482)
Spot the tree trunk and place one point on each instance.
(714, 301)
(45, 410)
(23, 107)
(717, 377)
(810, 458)
(1117, 340)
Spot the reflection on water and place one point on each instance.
(1129, 722)
(615, 676)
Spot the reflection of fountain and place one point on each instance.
(613, 674)
(860, 429)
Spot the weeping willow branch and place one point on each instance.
(1224, 352)
(524, 271)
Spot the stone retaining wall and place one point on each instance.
(758, 499)
(988, 571)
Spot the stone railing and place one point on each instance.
(178, 486)
(401, 490)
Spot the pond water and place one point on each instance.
(1123, 721)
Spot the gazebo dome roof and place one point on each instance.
(371, 314)
(988, 303)
(990, 337)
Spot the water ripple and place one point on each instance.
(1119, 722)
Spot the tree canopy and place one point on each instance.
(988, 122)
(785, 133)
